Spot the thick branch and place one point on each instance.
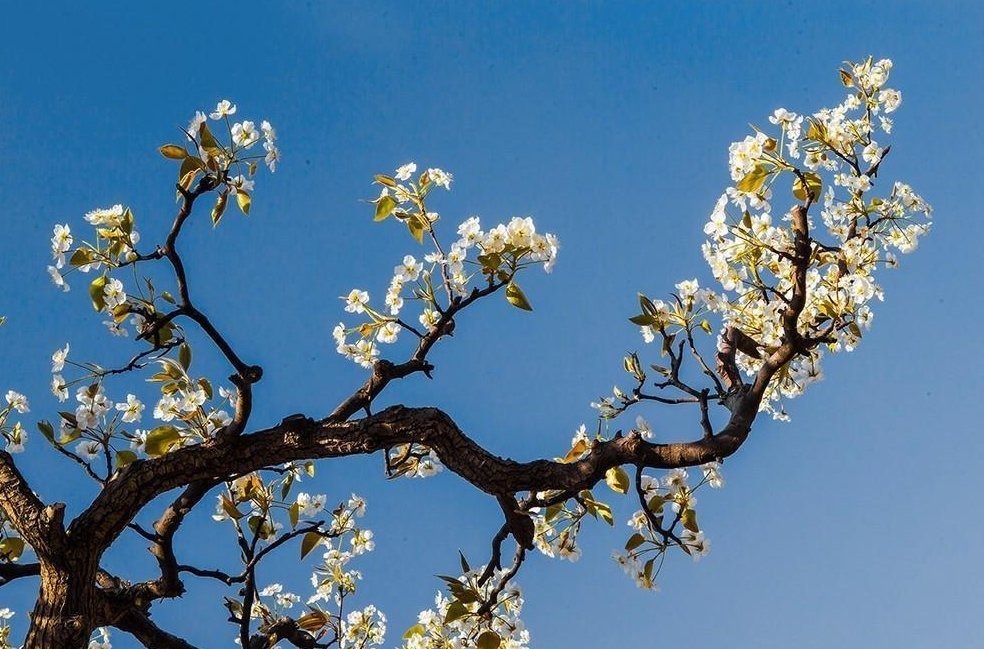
(12, 571)
(40, 526)
(149, 634)
(299, 439)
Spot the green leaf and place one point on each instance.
(184, 355)
(11, 548)
(173, 151)
(605, 512)
(219, 209)
(705, 325)
(230, 508)
(489, 640)
(385, 180)
(205, 385)
(753, 180)
(208, 141)
(81, 257)
(634, 541)
(464, 563)
(244, 201)
(294, 513)
(124, 458)
(384, 207)
(456, 611)
(689, 520)
(161, 439)
(644, 320)
(416, 629)
(416, 227)
(47, 430)
(812, 188)
(309, 542)
(846, 78)
(617, 479)
(516, 297)
(96, 293)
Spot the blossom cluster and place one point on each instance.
(242, 137)
(413, 461)
(644, 551)
(14, 434)
(186, 412)
(115, 245)
(455, 622)
(498, 253)
(831, 159)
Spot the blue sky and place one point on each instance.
(857, 524)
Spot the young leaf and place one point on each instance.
(489, 640)
(244, 201)
(161, 439)
(516, 297)
(184, 355)
(812, 188)
(124, 458)
(11, 548)
(173, 151)
(384, 207)
(309, 542)
(96, 293)
(219, 209)
(617, 479)
(753, 180)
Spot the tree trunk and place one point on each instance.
(63, 616)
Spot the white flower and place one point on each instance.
(241, 184)
(113, 294)
(61, 242)
(440, 178)
(110, 217)
(676, 480)
(645, 430)
(310, 505)
(139, 440)
(712, 473)
(388, 332)
(132, 409)
(17, 401)
(269, 133)
(429, 318)
(470, 232)
(356, 301)
(358, 505)
(223, 109)
(88, 449)
(244, 134)
(58, 387)
(58, 359)
(409, 270)
(196, 123)
(404, 172)
(57, 279)
(362, 542)
(696, 543)
(272, 156)
(521, 231)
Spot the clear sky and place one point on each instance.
(857, 524)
